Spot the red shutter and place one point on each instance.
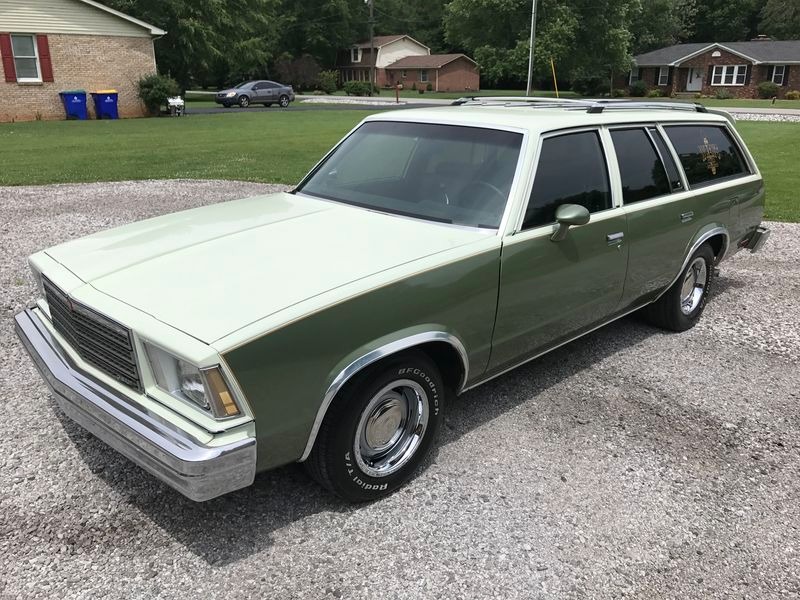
(44, 57)
(8, 57)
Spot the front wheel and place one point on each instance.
(379, 429)
(244, 101)
(681, 306)
(283, 101)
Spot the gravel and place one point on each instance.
(772, 117)
(631, 463)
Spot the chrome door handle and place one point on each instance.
(615, 238)
(687, 216)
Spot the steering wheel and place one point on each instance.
(470, 200)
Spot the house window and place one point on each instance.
(663, 76)
(634, 77)
(403, 74)
(355, 55)
(729, 75)
(778, 74)
(423, 75)
(26, 58)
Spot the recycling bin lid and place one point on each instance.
(72, 92)
(105, 92)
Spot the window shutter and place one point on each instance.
(44, 57)
(748, 73)
(710, 79)
(8, 57)
(669, 77)
(770, 72)
(786, 75)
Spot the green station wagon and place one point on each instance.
(430, 251)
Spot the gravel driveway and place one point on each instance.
(630, 463)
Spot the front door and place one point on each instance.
(694, 83)
(552, 291)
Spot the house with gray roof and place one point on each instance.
(737, 67)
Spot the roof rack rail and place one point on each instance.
(593, 106)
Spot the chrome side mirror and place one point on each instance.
(568, 215)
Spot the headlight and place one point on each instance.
(37, 278)
(230, 94)
(205, 388)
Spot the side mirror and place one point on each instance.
(568, 215)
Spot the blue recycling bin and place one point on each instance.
(74, 102)
(106, 104)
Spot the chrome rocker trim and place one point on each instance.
(198, 471)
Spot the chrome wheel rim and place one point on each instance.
(694, 285)
(284, 102)
(244, 102)
(391, 428)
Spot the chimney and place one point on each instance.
(761, 38)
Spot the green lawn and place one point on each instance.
(273, 146)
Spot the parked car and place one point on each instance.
(256, 92)
(430, 251)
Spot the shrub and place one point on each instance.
(414, 86)
(619, 93)
(793, 95)
(655, 94)
(358, 88)
(327, 81)
(429, 87)
(767, 89)
(638, 89)
(723, 94)
(589, 86)
(301, 73)
(154, 91)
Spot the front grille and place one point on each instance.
(100, 341)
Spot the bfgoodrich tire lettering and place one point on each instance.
(379, 428)
(681, 306)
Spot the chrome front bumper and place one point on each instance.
(198, 471)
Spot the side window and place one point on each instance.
(572, 170)
(666, 157)
(707, 152)
(643, 174)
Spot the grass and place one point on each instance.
(279, 146)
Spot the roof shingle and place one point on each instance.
(782, 52)
(427, 61)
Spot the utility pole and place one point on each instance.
(533, 41)
(371, 43)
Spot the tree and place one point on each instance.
(660, 23)
(726, 20)
(781, 19)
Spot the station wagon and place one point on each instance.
(428, 252)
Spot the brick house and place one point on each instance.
(52, 45)
(402, 59)
(736, 67)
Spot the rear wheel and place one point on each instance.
(244, 101)
(379, 429)
(283, 101)
(681, 306)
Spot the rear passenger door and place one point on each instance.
(552, 291)
(665, 206)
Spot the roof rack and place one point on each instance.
(590, 106)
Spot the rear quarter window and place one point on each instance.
(707, 152)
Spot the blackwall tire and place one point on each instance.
(680, 307)
(379, 429)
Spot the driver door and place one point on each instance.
(552, 291)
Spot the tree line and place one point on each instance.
(212, 43)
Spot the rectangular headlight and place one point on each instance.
(37, 278)
(205, 388)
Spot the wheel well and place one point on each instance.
(447, 358)
(717, 243)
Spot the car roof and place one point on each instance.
(538, 119)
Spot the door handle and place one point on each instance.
(687, 216)
(614, 239)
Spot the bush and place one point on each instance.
(619, 93)
(327, 81)
(414, 86)
(767, 89)
(358, 88)
(655, 94)
(154, 91)
(302, 73)
(638, 89)
(429, 87)
(793, 95)
(723, 94)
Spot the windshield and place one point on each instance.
(244, 84)
(444, 173)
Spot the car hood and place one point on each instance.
(210, 271)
